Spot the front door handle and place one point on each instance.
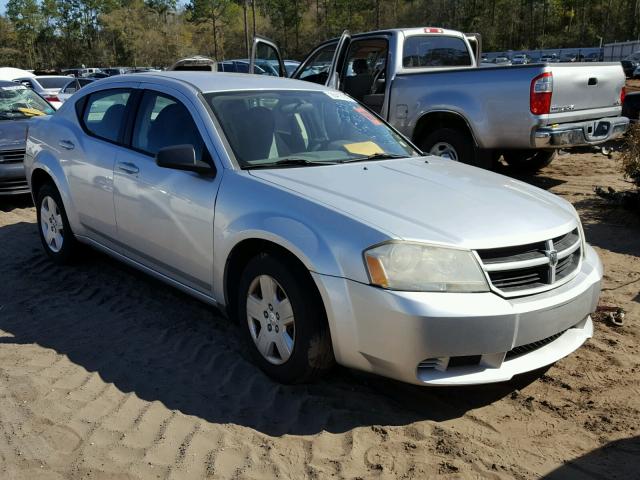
(66, 144)
(128, 167)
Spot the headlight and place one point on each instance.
(424, 268)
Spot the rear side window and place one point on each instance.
(104, 113)
(163, 121)
(435, 51)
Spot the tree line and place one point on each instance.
(54, 34)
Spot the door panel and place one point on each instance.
(91, 156)
(333, 80)
(165, 216)
(266, 58)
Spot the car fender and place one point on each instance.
(44, 160)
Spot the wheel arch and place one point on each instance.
(47, 169)
(246, 249)
(436, 119)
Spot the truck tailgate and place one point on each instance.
(585, 86)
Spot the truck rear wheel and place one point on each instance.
(457, 146)
(529, 160)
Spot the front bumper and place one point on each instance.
(12, 179)
(579, 134)
(458, 338)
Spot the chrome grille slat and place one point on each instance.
(12, 156)
(534, 267)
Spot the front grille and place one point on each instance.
(12, 156)
(534, 267)
(529, 347)
(13, 186)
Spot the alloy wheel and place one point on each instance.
(51, 224)
(271, 320)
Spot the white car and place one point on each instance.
(72, 86)
(47, 86)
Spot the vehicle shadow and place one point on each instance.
(609, 227)
(9, 203)
(154, 341)
(617, 459)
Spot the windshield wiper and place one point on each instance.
(374, 156)
(288, 162)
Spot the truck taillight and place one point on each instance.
(540, 95)
(623, 94)
(433, 30)
(52, 98)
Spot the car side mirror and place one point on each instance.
(182, 157)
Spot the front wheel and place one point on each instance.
(53, 225)
(529, 160)
(283, 320)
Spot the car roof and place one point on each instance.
(218, 81)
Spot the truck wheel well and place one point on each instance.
(436, 120)
(243, 252)
(38, 179)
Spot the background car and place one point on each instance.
(629, 67)
(290, 66)
(238, 66)
(18, 105)
(520, 59)
(502, 61)
(72, 87)
(47, 86)
(115, 71)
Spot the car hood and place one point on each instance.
(433, 200)
(12, 134)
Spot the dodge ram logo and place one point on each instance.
(553, 257)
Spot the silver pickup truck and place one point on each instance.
(427, 84)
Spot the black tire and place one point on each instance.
(68, 250)
(529, 161)
(461, 143)
(312, 353)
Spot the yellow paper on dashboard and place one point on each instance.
(363, 148)
(30, 111)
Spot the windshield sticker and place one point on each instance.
(13, 87)
(338, 95)
(363, 148)
(368, 115)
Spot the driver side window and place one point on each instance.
(364, 71)
(163, 121)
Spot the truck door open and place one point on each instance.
(265, 58)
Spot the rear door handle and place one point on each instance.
(66, 144)
(128, 167)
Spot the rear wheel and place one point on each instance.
(457, 146)
(55, 233)
(283, 320)
(529, 160)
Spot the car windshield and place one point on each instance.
(53, 82)
(296, 128)
(17, 102)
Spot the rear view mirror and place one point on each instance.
(182, 157)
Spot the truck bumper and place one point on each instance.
(579, 134)
(12, 179)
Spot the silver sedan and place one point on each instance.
(324, 232)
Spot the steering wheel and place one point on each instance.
(376, 76)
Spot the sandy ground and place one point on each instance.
(107, 374)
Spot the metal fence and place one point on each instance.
(620, 50)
